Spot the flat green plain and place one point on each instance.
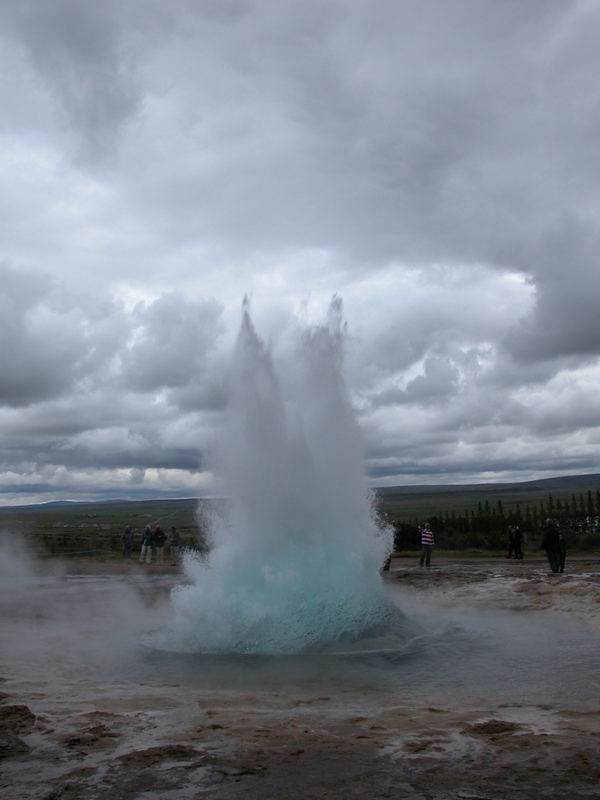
(83, 530)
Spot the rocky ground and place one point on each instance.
(70, 729)
(507, 584)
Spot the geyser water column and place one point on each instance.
(296, 564)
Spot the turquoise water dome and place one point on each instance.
(295, 565)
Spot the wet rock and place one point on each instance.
(16, 719)
(11, 745)
(93, 735)
(154, 755)
(492, 727)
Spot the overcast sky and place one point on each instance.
(434, 164)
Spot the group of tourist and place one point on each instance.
(515, 539)
(152, 541)
(553, 542)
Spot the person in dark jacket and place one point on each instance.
(517, 540)
(127, 538)
(146, 551)
(511, 541)
(159, 542)
(551, 544)
(562, 550)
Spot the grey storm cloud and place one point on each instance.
(81, 383)
(565, 318)
(433, 163)
(384, 135)
(438, 382)
(42, 345)
(399, 132)
(76, 50)
(171, 343)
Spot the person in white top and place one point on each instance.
(426, 544)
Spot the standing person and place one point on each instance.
(426, 544)
(562, 550)
(517, 541)
(159, 543)
(511, 541)
(146, 550)
(127, 538)
(174, 542)
(551, 544)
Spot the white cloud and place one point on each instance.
(432, 164)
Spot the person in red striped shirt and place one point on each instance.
(426, 544)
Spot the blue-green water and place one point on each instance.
(295, 565)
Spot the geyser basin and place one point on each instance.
(295, 566)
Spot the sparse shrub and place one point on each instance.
(589, 541)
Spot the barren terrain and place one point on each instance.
(86, 712)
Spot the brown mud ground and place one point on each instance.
(68, 732)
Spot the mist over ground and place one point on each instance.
(492, 686)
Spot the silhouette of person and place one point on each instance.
(511, 541)
(562, 550)
(517, 542)
(551, 544)
(146, 551)
(127, 538)
(159, 543)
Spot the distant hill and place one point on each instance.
(74, 505)
(93, 529)
(410, 502)
(403, 501)
(563, 483)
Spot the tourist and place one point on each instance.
(426, 544)
(127, 538)
(551, 544)
(146, 551)
(562, 550)
(511, 541)
(517, 541)
(174, 542)
(159, 543)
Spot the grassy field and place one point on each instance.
(412, 502)
(94, 529)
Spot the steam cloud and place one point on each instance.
(296, 564)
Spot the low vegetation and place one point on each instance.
(477, 518)
(93, 530)
(470, 519)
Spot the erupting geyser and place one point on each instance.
(295, 566)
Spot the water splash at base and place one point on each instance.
(296, 565)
